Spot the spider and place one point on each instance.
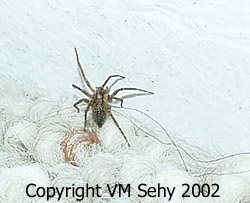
(100, 99)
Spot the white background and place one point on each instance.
(193, 54)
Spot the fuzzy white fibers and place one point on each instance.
(32, 152)
(15, 180)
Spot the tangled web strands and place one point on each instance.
(183, 150)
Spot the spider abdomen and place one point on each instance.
(99, 114)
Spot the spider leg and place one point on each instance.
(80, 101)
(119, 99)
(82, 90)
(129, 88)
(111, 76)
(85, 115)
(83, 75)
(117, 125)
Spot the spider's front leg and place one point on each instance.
(111, 76)
(82, 90)
(82, 72)
(129, 88)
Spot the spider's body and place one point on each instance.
(100, 99)
(100, 106)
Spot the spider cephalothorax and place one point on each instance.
(100, 99)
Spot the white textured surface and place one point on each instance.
(193, 54)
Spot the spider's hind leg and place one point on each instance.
(118, 126)
(119, 99)
(80, 101)
(85, 115)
